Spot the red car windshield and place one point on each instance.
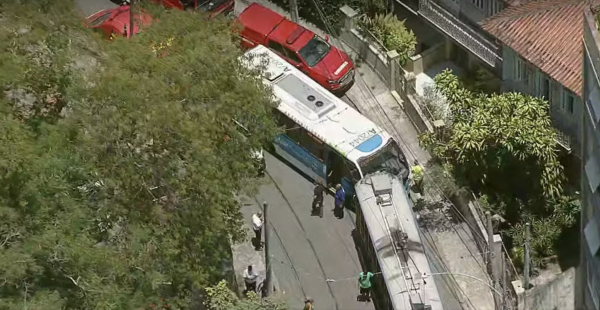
(100, 19)
(314, 51)
(210, 5)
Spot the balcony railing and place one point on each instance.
(467, 37)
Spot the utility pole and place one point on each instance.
(526, 267)
(493, 265)
(130, 30)
(269, 275)
(504, 292)
(294, 10)
(490, 236)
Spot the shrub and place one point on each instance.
(391, 32)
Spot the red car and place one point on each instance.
(115, 22)
(313, 55)
(214, 7)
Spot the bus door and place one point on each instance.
(342, 171)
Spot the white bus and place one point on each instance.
(324, 138)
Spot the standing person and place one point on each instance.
(308, 303)
(340, 197)
(417, 172)
(250, 278)
(257, 223)
(318, 199)
(364, 284)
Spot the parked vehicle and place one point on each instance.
(115, 21)
(302, 48)
(214, 7)
(327, 140)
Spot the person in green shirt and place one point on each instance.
(308, 303)
(364, 284)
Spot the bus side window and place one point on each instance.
(284, 121)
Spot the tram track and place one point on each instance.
(310, 243)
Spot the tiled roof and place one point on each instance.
(546, 33)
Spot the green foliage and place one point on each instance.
(503, 146)
(482, 80)
(391, 32)
(500, 137)
(220, 297)
(327, 14)
(118, 194)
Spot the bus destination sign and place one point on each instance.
(363, 137)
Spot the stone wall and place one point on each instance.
(385, 64)
(557, 294)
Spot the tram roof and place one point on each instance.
(402, 270)
(314, 108)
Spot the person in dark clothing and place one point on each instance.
(318, 199)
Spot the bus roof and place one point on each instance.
(387, 212)
(314, 108)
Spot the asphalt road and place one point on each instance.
(307, 250)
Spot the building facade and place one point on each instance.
(588, 277)
(458, 21)
(541, 52)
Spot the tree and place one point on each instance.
(122, 196)
(504, 146)
(497, 138)
(391, 32)
(220, 297)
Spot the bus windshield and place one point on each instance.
(389, 159)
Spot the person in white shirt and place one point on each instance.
(250, 278)
(257, 223)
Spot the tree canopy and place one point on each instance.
(219, 297)
(503, 146)
(118, 162)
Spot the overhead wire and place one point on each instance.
(330, 29)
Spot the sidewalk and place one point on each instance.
(244, 253)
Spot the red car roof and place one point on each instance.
(118, 18)
(292, 34)
(259, 18)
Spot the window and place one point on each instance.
(593, 103)
(592, 172)
(277, 48)
(494, 7)
(546, 89)
(315, 50)
(341, 168)
(292, 55)
(478, 3)
(568, 101)
(593, 281)
(283, 51)
(519, 69)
